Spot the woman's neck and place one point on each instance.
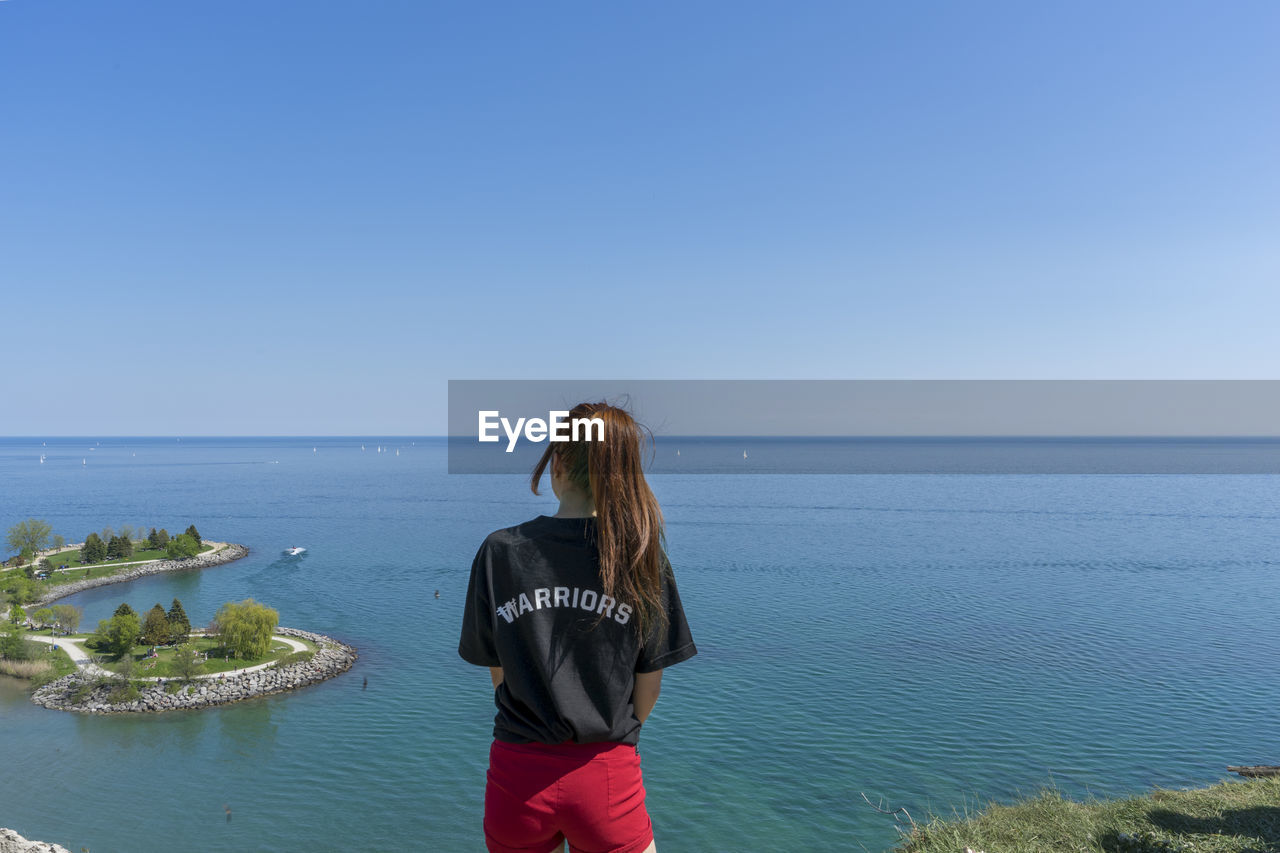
(576, 506)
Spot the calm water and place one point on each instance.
(928, 640)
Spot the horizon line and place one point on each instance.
(366, 436)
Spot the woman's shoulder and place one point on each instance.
(540, 532)
(505, 534)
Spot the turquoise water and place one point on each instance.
(926, 640)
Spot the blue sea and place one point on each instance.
(930, 641)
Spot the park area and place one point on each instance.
(212, 657)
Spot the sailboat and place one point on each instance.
(744, 454)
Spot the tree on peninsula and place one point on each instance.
(181, 547)
(67, 617)
(94, 549)
(120, 632)
(12, 644)
(30, 537)
(245, 627)
(186, 662)
(155, 630)
(179, 624)
(124, 610)
(20, 590)
(194, 534)
(17, 615)
(120, 547)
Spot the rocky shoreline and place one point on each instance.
(225, 554)
(330, 659)
(12, 842)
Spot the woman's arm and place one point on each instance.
(648, 686)
(495, 672)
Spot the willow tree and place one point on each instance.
(29, 537)
(245, 628)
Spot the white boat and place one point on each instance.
(294, 551)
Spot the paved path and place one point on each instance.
(82, 660)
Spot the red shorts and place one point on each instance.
(540, 795)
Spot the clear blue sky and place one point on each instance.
(303, 218)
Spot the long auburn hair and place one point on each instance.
(630, 535)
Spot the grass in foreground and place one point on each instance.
(1230, 817)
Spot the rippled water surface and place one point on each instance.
(930, 641)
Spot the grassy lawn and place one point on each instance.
(1230, 817)
(72, 557)
(161, 667)
(62, 663)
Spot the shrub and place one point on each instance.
(182, 546)
(126, 692)
(14, 646)
(86, 688)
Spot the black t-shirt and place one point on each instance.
(569, 653)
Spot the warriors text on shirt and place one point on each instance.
(563, 596)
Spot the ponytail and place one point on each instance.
(630, 536)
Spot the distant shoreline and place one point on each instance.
(222, 553)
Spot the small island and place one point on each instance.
(151, 662)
